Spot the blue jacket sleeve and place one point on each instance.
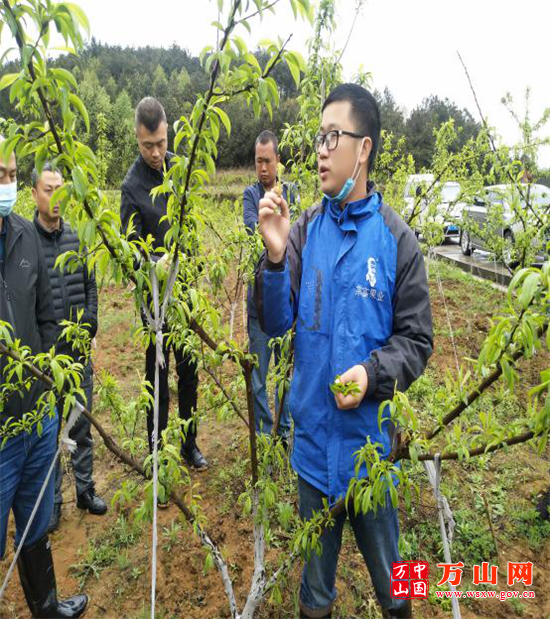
(277, 286)
(250, 210)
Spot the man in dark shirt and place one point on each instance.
(71, 292)
(26, 457)
(266, 158)
(145, 215)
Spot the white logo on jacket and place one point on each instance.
(371, 272)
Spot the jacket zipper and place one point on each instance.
(63, 292)
(10, 309)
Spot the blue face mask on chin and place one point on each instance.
(8, 196)
(349, 185)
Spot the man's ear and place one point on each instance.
(366, 151)
(34, 193)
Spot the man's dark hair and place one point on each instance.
(364, 111)
(150, 113)
(47, 167)
(266, 137)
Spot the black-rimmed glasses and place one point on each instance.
(330, 139)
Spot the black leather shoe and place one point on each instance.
(37, 576)
(90, 501)
(53, 525)
(543, 506)
(193, 457)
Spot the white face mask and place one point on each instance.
(8, 196)
(348, 186)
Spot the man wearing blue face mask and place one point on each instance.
(26, 305)
(350, 272)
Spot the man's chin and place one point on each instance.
(328, 190)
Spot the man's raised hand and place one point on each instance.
(274, 224)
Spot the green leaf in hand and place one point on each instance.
(349, 388)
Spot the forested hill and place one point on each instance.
(112, 79)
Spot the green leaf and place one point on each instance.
(79, 15)
(80, 183)
(57, 375)
(529, 288)
(262, 89)
(64, 76)
(77, 103)
(252, 61)
(8, 79)
(241, 45)
(224, 118)
(294, 69)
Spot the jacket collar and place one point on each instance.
(49, 234)
(151, 172)
(354, 210)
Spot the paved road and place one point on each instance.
(479, 263)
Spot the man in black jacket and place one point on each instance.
(138, 208)
(26, 457)
(72, 292)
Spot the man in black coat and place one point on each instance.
(71, 292)
(138, 208)
(26, 456)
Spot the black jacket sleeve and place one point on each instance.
(129, 208)
(90, 313)
(404, 358)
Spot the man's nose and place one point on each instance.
(323, 152)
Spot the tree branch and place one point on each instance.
(265, 74)
(493, 146)
(482, 386)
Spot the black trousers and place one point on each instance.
(82, 459)
(188, 381)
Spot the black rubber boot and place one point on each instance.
(405, 612)
(37, 576)
(55, 518)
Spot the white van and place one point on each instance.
(445, 195)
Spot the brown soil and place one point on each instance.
(183, 590)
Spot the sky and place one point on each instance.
(409, 46)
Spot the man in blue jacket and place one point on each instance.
(351, 273)
(266, 157)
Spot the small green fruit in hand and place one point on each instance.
(278, 189)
